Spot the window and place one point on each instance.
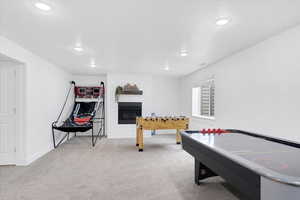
(203, 100)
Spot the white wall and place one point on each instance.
(256, 90)
(160, 96)
(44, 86)
(89, 80)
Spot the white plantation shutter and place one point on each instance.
(196, 101)
(204, 99)
(212, 99)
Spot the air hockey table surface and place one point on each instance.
(275, 163)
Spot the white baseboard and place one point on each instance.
(126, 136)
(22, 162)
(37, 155)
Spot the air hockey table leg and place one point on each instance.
(197, 171)
(202, 172)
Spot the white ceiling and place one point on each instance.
(142, 35)
(4, 58)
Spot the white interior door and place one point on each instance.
(7, 115)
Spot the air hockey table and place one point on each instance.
(258, 166)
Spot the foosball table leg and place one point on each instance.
(141, 139)
(178, 137)
(137, 137)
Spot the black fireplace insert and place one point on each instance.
(128, 111)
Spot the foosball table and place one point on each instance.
(159, 123)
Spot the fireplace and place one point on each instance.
(128, 111)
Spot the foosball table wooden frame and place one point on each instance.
(159, 123)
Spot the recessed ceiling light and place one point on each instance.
(42, 6)
(93, 63)
(222, 21)
(167, 68)
(183, 53)
(78, 48)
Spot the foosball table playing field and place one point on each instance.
(159, 123)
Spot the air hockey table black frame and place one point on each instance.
(209, 163)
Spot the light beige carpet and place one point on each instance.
(113, 170)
